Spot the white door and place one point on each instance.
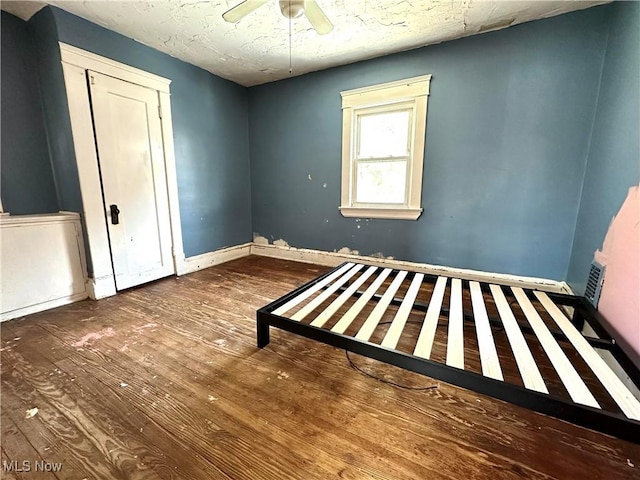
(128, 133)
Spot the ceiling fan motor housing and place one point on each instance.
(291, 8)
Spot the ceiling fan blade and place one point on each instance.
(240, 11)
(316, 17)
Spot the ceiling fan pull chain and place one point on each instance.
(290, 67)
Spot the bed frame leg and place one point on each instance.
(578, 320)
(262, 328)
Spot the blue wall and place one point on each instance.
(614, 155)
(56, 112)
(210, 127)
(510, 114)
(25, 170)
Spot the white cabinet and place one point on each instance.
(42, 263)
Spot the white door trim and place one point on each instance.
(74, 63)
(90, 61)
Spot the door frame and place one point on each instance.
(75, 62)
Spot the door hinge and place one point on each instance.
(159, 110)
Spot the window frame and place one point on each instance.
(408, 94)
(356, 159)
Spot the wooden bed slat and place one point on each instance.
(307, 293)
(455, 333)
(572, 381)
(342, 325)
(316, 302)
(524, 359)
(618, 391)
(399, 321)
(326, 314)
(374, 317)
(430, 324)
(486, 344)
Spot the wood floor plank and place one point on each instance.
(570, 377)
(130, 430)
(294, 409)
(73, 449)
(620, 393)
(191, 374)
(131, 455)
(430, 324)
(178, 418)
(486, 344)
(20, 453)
(177, 358)
(7, 474)
(336, 428)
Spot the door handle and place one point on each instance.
(115, 220)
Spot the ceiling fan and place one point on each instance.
(289, 8)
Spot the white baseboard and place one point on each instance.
(105, 286)
(332, 259)
(101, 287)
(209, 259)
(566, 288)
(58, 302)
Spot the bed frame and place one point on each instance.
(345, 306)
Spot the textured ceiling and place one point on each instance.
(256, 50)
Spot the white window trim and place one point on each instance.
(414, 91)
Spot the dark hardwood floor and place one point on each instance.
(165, 381)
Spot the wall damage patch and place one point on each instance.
(620, 253)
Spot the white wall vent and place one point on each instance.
(594, 283)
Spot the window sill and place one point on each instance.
(381, 212)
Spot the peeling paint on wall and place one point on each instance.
(348, 251)
(260, 240)
(620, 253)
(281, 243)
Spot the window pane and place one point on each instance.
(381, 182)
(384, 134)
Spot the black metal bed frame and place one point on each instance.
(612, 423)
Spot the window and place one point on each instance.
(383, 135)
